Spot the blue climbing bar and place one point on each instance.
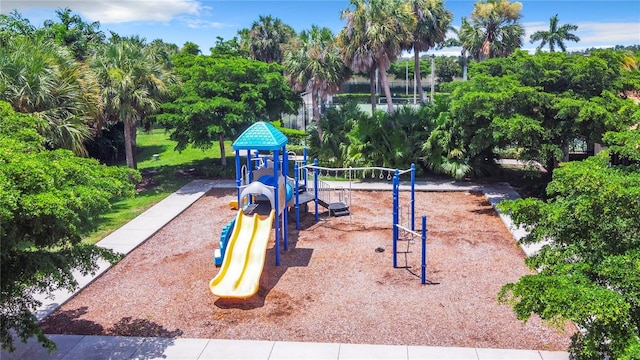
(424, 249)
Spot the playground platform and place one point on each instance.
(134, 233)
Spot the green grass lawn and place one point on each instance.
(163, 176)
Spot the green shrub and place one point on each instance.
(296, 137)
(362, 98)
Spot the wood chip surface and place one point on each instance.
(332, 285)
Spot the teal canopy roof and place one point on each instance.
(260, 136)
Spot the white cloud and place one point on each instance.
(609, 33)
(533, 26)
(196, 23)
(114, 11)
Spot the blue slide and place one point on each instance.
(224, 240)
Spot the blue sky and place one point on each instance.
(600, 23)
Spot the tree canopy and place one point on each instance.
(48, 200)
(373, 37)
(74, 33)
(219, 93)
(312, 63)
(538, 103)
(432, 21)
(447, 67)
(589, 264)
(493, 29)
(42, 77)
(266, 38)
(134, 77)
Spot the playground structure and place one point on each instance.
(263, 204)
(323, 196)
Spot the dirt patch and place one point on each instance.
(334, 283)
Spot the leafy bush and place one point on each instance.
(589, 265)
(48, 200)
(362, 98)
(351, 137)
(296, 137)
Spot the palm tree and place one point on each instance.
(74, 33)
(14, 24)
(265, 39)
(355, 50)
(133, 77)
(373, 36)
(629, 62)
(312, 63)
(430, 25)
(497, 21)
(555, 35)
(39, 76)
(469, 39)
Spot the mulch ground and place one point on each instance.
(334, 284)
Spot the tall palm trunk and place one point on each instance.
(128, 145)
(485, 50)
(134, 146)
(316, 111)
(418, 75)
(387, 90)
(372, 87)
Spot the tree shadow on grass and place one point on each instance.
(145, 153)
(170, 178)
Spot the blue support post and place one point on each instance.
(398, 210)
(249, 168)
(396, 175)
(315, 186)
(304, 162)
(395, 222)
(296, 170)
(424, 249)
(413, 197)
(238, 178)
(285, 213)
(276, 155)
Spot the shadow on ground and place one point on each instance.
(59, 323)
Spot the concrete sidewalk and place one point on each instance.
(131, 235)
(72, 347)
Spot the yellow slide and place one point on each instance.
(239, 275)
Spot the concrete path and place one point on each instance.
(73, 347)
(131, 235)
